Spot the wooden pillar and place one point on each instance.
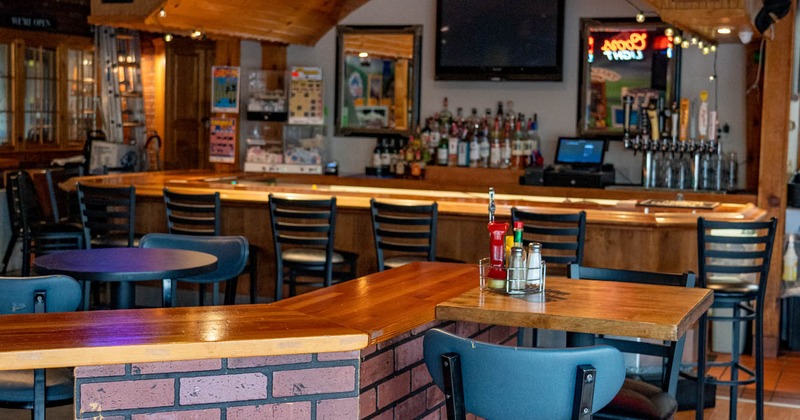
(772, 163)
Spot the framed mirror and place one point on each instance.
(618, 58)
(377, 80)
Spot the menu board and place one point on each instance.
(305, 96)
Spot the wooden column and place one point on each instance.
(772, 163)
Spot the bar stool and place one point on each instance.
(303, 234)
(407, 232)
(38, 235)
(734, 260)
(201, 215)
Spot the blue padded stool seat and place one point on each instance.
(17, 386)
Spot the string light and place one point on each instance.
(640, 17)
(669, 32)
(168, 37)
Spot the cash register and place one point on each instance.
(578, 163)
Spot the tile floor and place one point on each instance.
(781, 392)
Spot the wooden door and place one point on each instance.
(188, 103)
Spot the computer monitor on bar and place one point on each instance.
(580, 153)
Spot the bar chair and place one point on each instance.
(404, 233)
(201, 215)
(638, 399)
(562, 235)
(303, 234)
(734, 260)
(502, 382)
(108, 215)
(39, 388)
(39, 236)
(231, 253)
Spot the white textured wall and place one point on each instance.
(554, 102)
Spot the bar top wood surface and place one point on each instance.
(344, 317)
(587, 306)
(613, 206)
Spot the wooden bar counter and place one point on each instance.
(620, 233)
(329, 351)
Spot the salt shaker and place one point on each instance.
(534, 276)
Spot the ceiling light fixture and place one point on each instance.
(162, 13)
(196, 34)
(363, 54)
(724, 30)
(669, 32)
(168, 37)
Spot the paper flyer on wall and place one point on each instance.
(223, 140)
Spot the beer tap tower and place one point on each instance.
(672, 159)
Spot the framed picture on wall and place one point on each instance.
(225, 89)
(620, 58)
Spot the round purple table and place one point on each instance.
(122, 266)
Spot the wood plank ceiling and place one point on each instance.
(304, 22)
(301, 22)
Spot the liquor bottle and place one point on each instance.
(436, 138)
(376, 154)
(474, 149)
(409, 150)
(505, 162)
(445, 116)
(474, 120)
(518, 148)
(510, 116)
(790, 261)
(393, 154)
(495, 157)
(386, 157)
(463, 149)
(441, 152)
(452, 146)
(485, 148)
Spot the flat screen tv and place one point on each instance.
(499, 40)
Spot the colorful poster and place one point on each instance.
(223, 140)
(224, 89)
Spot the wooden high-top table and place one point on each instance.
(587, 306)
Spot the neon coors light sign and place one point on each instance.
(625, 49)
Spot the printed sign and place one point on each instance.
(223, 140)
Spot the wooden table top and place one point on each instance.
(587, 306)
(126, 264)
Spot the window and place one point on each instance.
(47, 91)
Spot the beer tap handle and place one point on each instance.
(491, 205)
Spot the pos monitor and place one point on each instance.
(580, 152)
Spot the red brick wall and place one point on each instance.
(395, 383)
(299, 386)
(384, 381)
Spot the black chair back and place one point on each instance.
(407, 232)
(193, 214)
(303, 235)
(670, 352)
(562, 235)
(739, 251)
(108, 215)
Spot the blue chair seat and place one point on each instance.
(16, 386)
